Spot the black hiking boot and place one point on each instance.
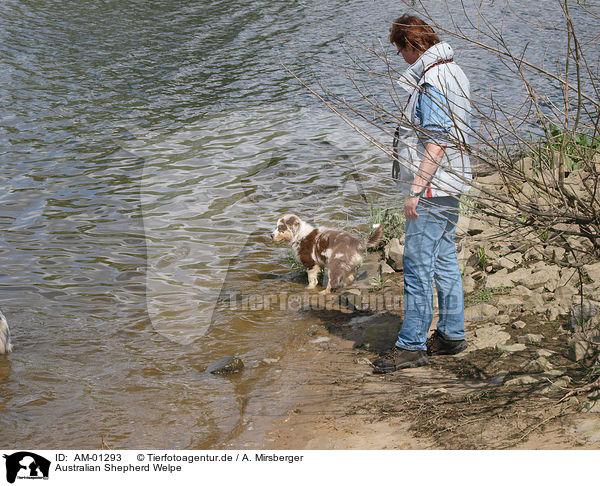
(438, 345)
(398, 359)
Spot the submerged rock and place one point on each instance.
(225, 366)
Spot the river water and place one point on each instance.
(147, 151)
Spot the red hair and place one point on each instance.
(411, 31)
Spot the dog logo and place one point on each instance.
(26, 465)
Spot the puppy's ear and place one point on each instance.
(293, 223)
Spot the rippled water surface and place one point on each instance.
(147, 149)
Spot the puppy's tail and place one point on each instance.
(5, 346)
(376, 236)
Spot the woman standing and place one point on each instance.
(438, 172)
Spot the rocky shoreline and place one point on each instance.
(534, 338)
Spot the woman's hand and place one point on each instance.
(410, 208)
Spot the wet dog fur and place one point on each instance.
(316, 248)
(5, 346)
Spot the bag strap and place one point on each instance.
(396, 140)
(395, 162)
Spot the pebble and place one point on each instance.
(518, 325)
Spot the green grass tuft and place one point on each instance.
(392, 220)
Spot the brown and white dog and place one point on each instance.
(315, 248)
(5, 346)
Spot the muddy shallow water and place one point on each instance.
(147, 151)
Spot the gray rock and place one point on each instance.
(539, 365)
(593, 271)
(544, 353)
(521, 291)
(385, 268)
(552, 311)
(550, 375)
(518, 325)
(569, 278)
(580, 349)
(480, 312)
(522, 380)
(557, 384)
(225, 366)
(519, 276)
(468, 284)
(546, 277)
(508, 262)
(489, 337)
(595, 395)
(511, 303)
(537, 302)
(477, 226)
(499, 377)
(394, 252)
(589, 430)
(511, 348)
(503, 319)
(591, 407)
(498, 279)
(530, 339)
(320, 339)
(581, 314)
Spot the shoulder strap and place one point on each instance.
(445, 61)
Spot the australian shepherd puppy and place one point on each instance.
(315, 248)
(5, 346)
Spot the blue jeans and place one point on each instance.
(430, 254)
